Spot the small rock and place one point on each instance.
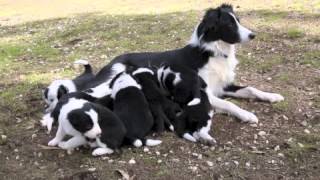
(304, 123)
(171, 151)
(145, 149)
(277, 148)
(175, 160)
(92, 169)
(157, 153)
(110, 161)
(210, 163)
(34, 136)
(254, 125)
(236, 163)
(193, 168)
(159, 161)
(262, 133)
(285, 117)
(280, 154)
(16, 150)
(255, 136)
(300, 145)
(132, 161)
(3, 140)
(219, 159)
(307, 131)
(248, 164)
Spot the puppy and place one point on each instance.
(86, 121)
(189, 90)
(194, 123)
(58, 88)
(131, 106)
(182, 83)
(160, 107)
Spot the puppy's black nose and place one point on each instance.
(252, 36)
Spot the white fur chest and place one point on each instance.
(218, 73)
(65, 110)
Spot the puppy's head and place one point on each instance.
(86, 122)
(222, 24)
(55, 91)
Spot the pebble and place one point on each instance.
(300, 145)
(34, 136)
(262, 133)
(132, 161)
(157, 153)
(248, 164)
(304, 123)
(145, 149)
(219, 159)
(193, 168)
(4, 139)
(159, 161)
(280, 154)
(277, 148)
(110, 161)
(210, 163)
(307, 131)
(92, 169)
(236, 163)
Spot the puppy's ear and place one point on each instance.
(61, 91)
(45, 93)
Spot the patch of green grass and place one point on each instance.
(269, 63)
(272, 16)
(284, 77)
(8, 53)
(312, 58)
(294, 33)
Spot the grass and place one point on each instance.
(312, 58)
(269, 63)
(294, 33)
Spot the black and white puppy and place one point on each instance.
(189, 90)
(194, 123)
(57, 88)
(211, 53)
(163, 110)
(131, 106)
(86, 121)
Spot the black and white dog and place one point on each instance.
(163, 110)
(86, 122)
(211, 53)
(57, 88)
(189, 90)
(131, 106)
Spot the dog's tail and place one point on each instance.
(85, 63)
(146, 142)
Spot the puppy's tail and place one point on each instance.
(146, 142)
(87, 66)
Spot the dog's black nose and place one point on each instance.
(252, 35)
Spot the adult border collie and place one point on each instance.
(211, 53)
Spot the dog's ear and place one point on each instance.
(209, 22)
(45, 93)
(61, 91)
(227, 7)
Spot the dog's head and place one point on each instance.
(222, 24)
(86, 122)
(55, 91)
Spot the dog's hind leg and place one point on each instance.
(251, 93)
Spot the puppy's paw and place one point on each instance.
(248, 117)
(273, 97)
(63, 145)
(101, 151)
(53, 142)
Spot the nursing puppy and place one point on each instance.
(131, 106)
(86, 122)
(163, 110)
(194, 123)
(189, 90)
(58, 88)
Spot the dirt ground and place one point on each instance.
(284, 58)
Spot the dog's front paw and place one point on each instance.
(101, 151)
(53, 142)
(248, 117)
(273, 97)
(63, 145)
